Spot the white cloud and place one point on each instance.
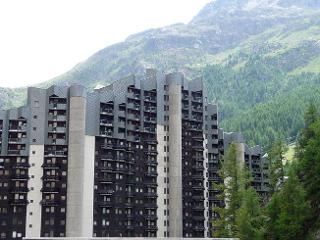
(40, 39)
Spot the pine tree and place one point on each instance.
(308, 164)
(229, 193)
(309, 170)
(288, 211)
(275, 159)
(241, 214)
(249, 218)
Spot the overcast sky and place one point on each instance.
(41, 39)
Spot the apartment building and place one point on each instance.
(134, 159)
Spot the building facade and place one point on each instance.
(134, 159)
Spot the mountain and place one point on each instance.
(250, 52)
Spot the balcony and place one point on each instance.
(19, 177)
(150, 120)
(17, 140)
(132, 106)
(198, 208)
(105, 191)
(55, 154)
(198, 176)
(135, 128)
(185, 97)
(105, 179)
(150, 99)
(106, 133)
(198, 167)
(134, 138)
(50, 166)
(50, 190)
(58, 106)
(21, 152)
(150, 109)
(151, 195)
(21, 165)
(51, 178)
(50, 202)
(197, 99)
(197, 109)
(57, 141)
(198, 187)
(106, 123)
(108, 112)
(57, 129)
(19, 189)
(105, 168)
(198, 228)
(152, 227)
(133, 117)
(18, 202)
(149, 130)
(151, 174)
(132, 95)
(150, 205)
(198, 218)
(17, 128)
(197, 147)
(198, 198)
(197, 119)
(152, 162)
(104, 204)
(57, 118)
(107, 146)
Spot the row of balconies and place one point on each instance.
(57, 141)
(57, 129)
(19, 189)
(22, 152)
(57, 118)
(58, 106)
(55, 153)
(51, 202)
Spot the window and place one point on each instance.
(36, 104)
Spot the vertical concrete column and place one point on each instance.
(240, 152)
(206, 187)
(175, 161)
(33, 218)
(79, 222)
(160, 180)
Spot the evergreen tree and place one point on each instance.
(309, 170)
(308, 164)
(288, 211)
(275, 159)
(241, 213)
(229, 193)
(311, 116)
(249, 219)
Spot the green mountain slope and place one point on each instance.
(250, 53)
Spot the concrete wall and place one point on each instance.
(240, 151)
(33, 217)
(79, 222)
(175, 162)
(206, 189)
(161, 184)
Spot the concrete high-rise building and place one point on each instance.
(134, 159)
